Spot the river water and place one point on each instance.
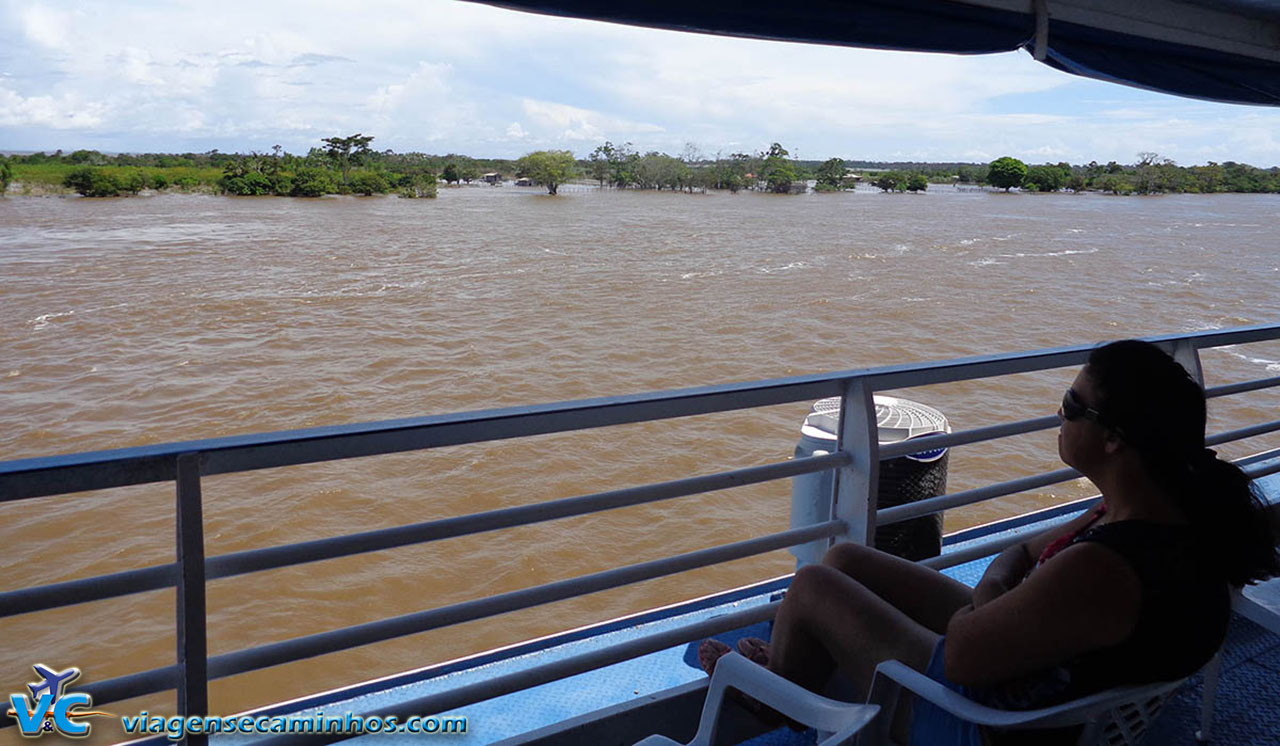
(156, 319)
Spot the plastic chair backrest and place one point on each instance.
(1127, 724)
(1115, 717)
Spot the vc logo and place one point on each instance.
(50, 708)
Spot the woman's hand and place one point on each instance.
(1004, 574)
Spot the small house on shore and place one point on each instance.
(493, 177)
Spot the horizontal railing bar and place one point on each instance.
(434, 704)
(965, 369)
(1263, 469)
(309, 646)
(1244, 432)
(1071, 507)
(1257, 458)
(255, 560)
(1228, 389)
(899, 513)
(987, 548)
(103, 469)
(81, 591)
(132, 685)
(964, 437)
(164, 576)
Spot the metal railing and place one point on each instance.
(852, 515)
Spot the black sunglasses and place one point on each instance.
(1074, 409)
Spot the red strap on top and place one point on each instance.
(1062, 542)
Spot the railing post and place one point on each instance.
(856, 485)
(1186, 353)
(193, 653)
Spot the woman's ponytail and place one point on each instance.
(1222, 500)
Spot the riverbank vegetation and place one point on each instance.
(350, 165)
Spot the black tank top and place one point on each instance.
(1183, 613)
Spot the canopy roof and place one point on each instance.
(1221, 50)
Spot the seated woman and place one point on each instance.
(1135, 591)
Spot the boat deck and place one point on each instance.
(569, 710)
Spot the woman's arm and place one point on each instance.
(1004, 574)
(1008, 569)
(1085, 599)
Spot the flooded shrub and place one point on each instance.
(90, 181)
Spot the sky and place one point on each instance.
(439, 76)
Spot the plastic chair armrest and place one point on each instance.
(832, 716)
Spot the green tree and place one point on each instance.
(622, 165)
(451, 174)
(345, 152)
(1045, 178)
(830, 175)
(419, 181)
(889, 181)
(94, 181)
(730, 173)
(1114, 183)
(310, 181)
(86, 157)
(599, 163)
(1006, 173)
(777, 171)
(970, 174)
(251, 184)
(551, 168)
(6, 175)
(1208, 178)
(469, 171)
(369, 182)
(917, 182)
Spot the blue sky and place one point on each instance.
(437, 77)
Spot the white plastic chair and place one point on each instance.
(836, 722)
(1115, 717)
(1259, 604)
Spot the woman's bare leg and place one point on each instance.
(924, 594)
(830, 620)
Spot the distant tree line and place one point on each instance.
(342, 165)
(1152, 174)
(349, 165)
(623, 167)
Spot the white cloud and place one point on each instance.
(424, 89)
(571, 123)
(60, 112)
(49, 28)
(515, 131)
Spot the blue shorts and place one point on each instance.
(932, 725)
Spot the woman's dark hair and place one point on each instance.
(1156, 407)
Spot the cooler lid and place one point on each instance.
(896, 418)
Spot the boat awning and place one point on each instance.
(1220, 50)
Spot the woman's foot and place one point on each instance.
(709, 652)
(755, 650)
(762, 712)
